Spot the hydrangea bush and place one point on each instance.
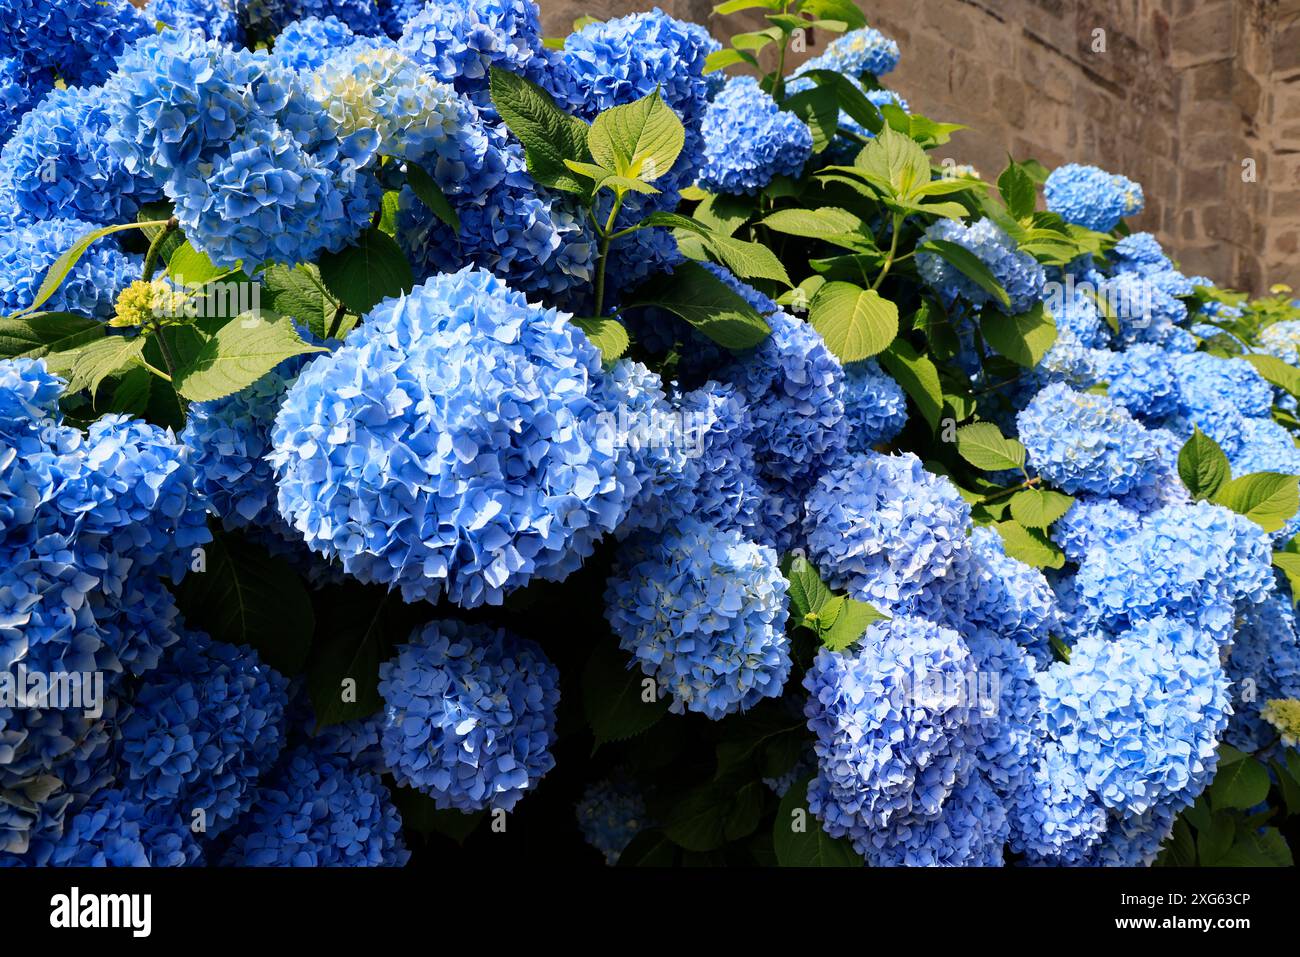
(416, 432)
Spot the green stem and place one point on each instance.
(1003, 493)
(155, 248)
(606, 237)
(893, 248)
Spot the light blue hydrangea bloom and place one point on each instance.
(317, 810)
(469, 715)
(1083, 442)
(453, 445)
(970, 831)
(888, 531)
(90, 289)
(749, 140)
(1281, 340)
(1141, 378)
(1132, 841)
(703, 611)
(894, 735)
(1003, 596)
(268, 17)
(610, 814)
(1141, 714)
(865, 50)
(1094, 523)
(1018, 273)
(875, 406)
(57, 165)
(1054, 818)
(1198, 562)
(1091, 197)
(307, 45)
(215, 19)
(1264, 664)
(21, 88)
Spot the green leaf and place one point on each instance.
(1018, 191)
(237, 355)
(698, 821)
(89, 365)
(428, 191)
(1039, 507)
(969, 265)
(708, 304)
(851, 98)
(846, 11)
(1029, 545)
(894, 162)
(745, 811)
(855, 322)
(1215, 841)
(747, 260)
(1242, 784)
(1279, 373)
(756, 40)
(1202, 465)
(246, 597)
(612, 696)
(639, 140)
(721, 59)
(152, 220)
(807, 593)
(649, 849)
(983, 445)
(607, 335)
(851, 623)
(819, 108)
(918, 377)
(297, 291)
(60, 268)
(799, 839)
(367, 272)
(548, 134)
(1264, 848)
(827, 223)
(1024, 339)
(735, 6)
(1289, 564)
(40, 333)
(1268, 499)
(723, 214)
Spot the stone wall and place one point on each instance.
(1199, 100)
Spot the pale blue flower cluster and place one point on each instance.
(91, 288)
(875, 406)
(855, 53)
(1054, 818)
(610, 814)
(309, 44)
(20, 90)
(1017, 272)
(749, 140)
(1141, 378)
(970, 830)
(703, 612)
(317, 810)
(1084, 442)
(78, 39)
(453, 445)
(58, 165)
(888, 531)
(1094, 523)
(215, 19)
(1264, 665)
(469, 715)
(1091, 197)
(257, 170)
(1282, 341)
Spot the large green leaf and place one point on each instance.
(297, 292)
(856, 323)
(708, 304)
(983, 445)
(894, 162)
(1268, 499)
(638, 140)
(238, 354)
(612, 689)
(1024, 338)
(1202, 465)
(39, 333)
(246, 597)
(607, 335)
(919, 378)
(374, 268)
(60, 268)
(1241, 784)
(549, 135)
(89, 365)
(1018, 191)
(428, 191)
(1029, 545)
(1039, 507)
(1281, 374)
(799, 839)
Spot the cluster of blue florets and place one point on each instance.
(749, 141)
(1091, 197)
(1017, 272)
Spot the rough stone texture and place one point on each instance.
(1199, 100)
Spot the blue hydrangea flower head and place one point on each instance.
(307, 45)
(317, 810)
(794, 387)
(1054, 818)
(1084, 442)
(1141, 252)
(58, 165)
(1143, 308)
(1216, 393)
(21, 88)
(1264, 664)
(749, 140)
(1198, 563)
(703, 611)
(971, 830)
(1004, 596)
(1141, 378)
(1073, 363)
(1140, 715)
(1018, 273)
(116, 828)
(90, 289)
(80, 39)
(453, 445)
(215, 19)
(469, 715)
(888, 531)
(1094, 523)
(1132, 840)
(1091, 197)
(1281, 340)
(894, 734)
(875, 406)
(865, 50)
(203, 728)
(610, 814)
